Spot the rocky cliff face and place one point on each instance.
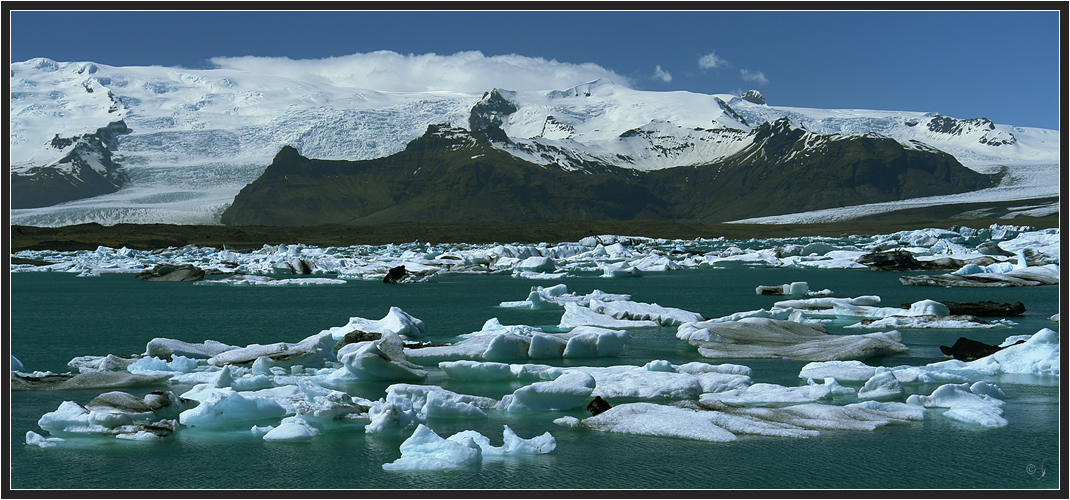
(88, 167)
(453, 175)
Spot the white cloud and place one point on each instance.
(753, 76)
(469, 72)
(710, 61)
(662, 75)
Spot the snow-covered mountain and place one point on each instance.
(194, 138)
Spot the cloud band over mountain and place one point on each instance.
(470, 71)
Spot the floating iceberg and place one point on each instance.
(513, 444)
(425, 450)
(770, 338)
(718, 422)
(515, 345)
(382, 360)
(118, 414)
(979, 404)
(246, 279)
(312, 350)
(568, 391)
(396, 321)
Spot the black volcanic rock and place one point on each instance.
(88, 169)
(394, 275)
(598, 405)
(966, 349)
(452, 175)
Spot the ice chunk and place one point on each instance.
(979, 403)
(155, 366)
(650, 419)
(546, 347)
(35, 439)
(426, 450)
(395, 321)
(770, 338)
(882, 385)
(165, 348)
(382, 359)
(592, 342)
(628, 310)
(568, 391)
(577, 315)
(436, 402)
(770, 393)
(292, 429)
(1037, 356)
(312, 351)
(928, 307)
(851, 371)
(88, 380)
(116, 414)
(513, 444)
(227, 408)
(620, 270)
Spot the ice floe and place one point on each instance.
(771, 338)
(719, 422)
(627, 256)
(979, 403)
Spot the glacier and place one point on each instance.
(197, 136)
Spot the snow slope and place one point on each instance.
(198, 136)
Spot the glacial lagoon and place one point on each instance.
(98, 308)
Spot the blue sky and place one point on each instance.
(1000, 65)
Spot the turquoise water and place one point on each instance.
(57, 316)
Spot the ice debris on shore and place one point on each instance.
(612, 256)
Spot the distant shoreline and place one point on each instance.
(155, 236)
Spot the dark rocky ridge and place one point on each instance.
(452, 175)
(154, 236)
(72, 177)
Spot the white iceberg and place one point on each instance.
(426, 450)
(382, 360)
(312, 351)
(882, 385)
(778, 339)
(513, 444)
(396, 321)
(979, 404)
(568, 391)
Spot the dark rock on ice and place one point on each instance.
(167, 272)
(903, 260)
(597, 406)
(1030, 276)
(968, 350)
(394, 275)
(890, 260)
(88, 380)
(354, 337)
(162, 404)
(982, 308)
(770, 290)
(300, 266)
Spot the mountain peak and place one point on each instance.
(753, 96)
